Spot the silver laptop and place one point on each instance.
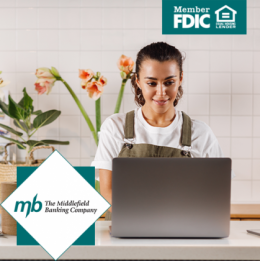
(171, 197)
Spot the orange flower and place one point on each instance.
(103, 80)
(94, 89)
(83, 84)
(86, 75)
(125, 64)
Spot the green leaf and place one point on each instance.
(37, 112)
(15, 141)
(21, 102)
(23, 125)
(4, 108)
(56, 142)
(16, 111)
(11, 130)
(21, 148)
(45, 118)
(33, 143)
(27, 101)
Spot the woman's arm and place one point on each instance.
(105, 178)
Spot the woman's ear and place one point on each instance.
(181, 79)
(137, 81)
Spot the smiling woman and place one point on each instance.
(156, 128)
(157, 83)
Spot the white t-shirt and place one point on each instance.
(111, 140)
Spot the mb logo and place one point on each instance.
(31, 206)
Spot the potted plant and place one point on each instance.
(21, 113)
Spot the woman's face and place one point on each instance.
(159, 82)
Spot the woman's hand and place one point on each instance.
(105, 178)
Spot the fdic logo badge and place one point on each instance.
(204, 17)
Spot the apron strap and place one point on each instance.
(186, 130)
(129, 125)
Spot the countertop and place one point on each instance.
(238, 246)
(245, 211)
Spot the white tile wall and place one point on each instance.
(221, 72)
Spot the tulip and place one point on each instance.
(125, 64)
(43, 85)
(94, 89)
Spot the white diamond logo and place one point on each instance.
(70, 205)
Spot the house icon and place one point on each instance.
(225, 14)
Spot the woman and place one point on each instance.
(156, 128)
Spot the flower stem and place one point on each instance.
(84, 113)
(27, 150)
(120, 95)
(98, 114)
(27, 154)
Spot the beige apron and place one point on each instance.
(150, 150)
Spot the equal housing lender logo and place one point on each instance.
(55, 205)
(204, 17)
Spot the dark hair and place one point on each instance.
(161, 52)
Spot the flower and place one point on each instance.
(44, 72)
(3, 83)
(94, 89)
(55, 72)
(125, 64)
(103, 80)
(46, 80)
(43, 85)
(86, 75)
(123, 75)
(83, 84)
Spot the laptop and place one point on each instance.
(171, 197)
